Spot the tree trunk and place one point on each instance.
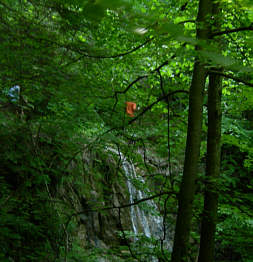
(187, 188)
(206, 253)
(209, 219)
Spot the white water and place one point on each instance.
(142, 222)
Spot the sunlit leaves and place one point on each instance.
(75, 98)
(96, 10)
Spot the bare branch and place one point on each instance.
(140, 77)
(187, 21)
(135, 81)
(125, 238)
(144, 111)
(237, 79)
(229, 31)
(156, 102)
(118, 207)
(112, 56)
(127, 205)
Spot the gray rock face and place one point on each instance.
(103, 226)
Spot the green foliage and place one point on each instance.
(31, 231)
(76, 63)
(234, 235)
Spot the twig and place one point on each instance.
(229, 31)
(122, 206)
(125, 238)
(237, 79)
(111, 56)
(136, 80)
(156, 102)
(143, 111)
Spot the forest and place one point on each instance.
(126, 130)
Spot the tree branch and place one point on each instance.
(112, 56)
(125, 238)
(229, 31)
(237, 79)
(144, 111)
(187, 21)
(119, 207)
(126, 205)
(157, 101)
(138, 201)
(141, 77)
(136, 80)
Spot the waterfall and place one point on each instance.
(137, 214)
(142, 222)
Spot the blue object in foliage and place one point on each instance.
(14, 93)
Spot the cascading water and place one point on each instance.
(137, 214)
(142, 222)
(150, 225)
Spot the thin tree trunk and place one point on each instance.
(187, 188)
(209, 218)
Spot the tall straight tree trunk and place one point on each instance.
(187, 188)
(209, 218)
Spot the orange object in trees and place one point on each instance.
(130, 108)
